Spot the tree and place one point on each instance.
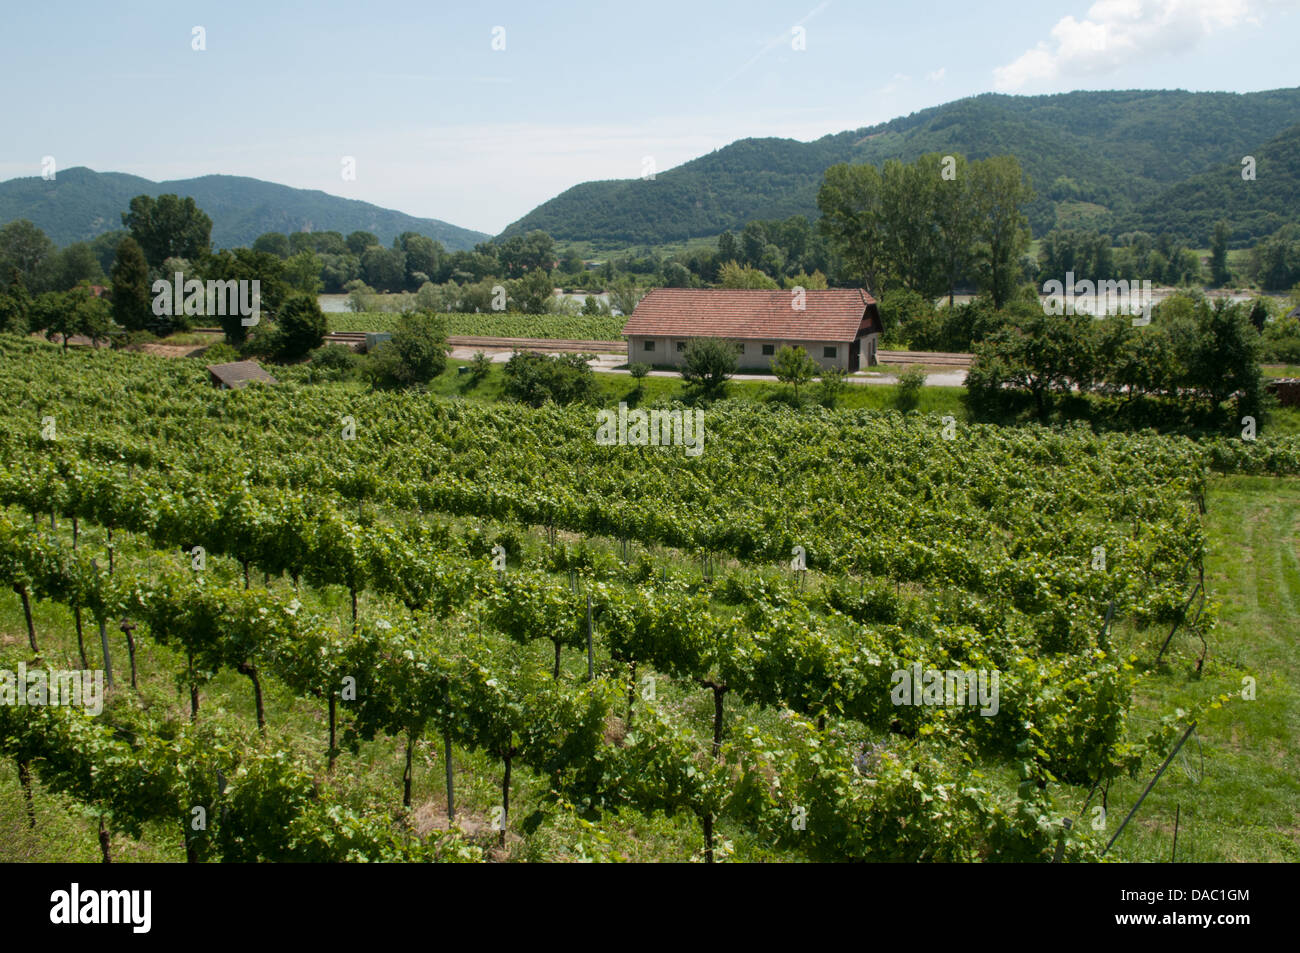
(596, 305)
(69, 313)
(734, 275)
(954, 220)
(999, 191)
(384, 268)
(850, 203)
(1039, 355)
(910, 199)
(521, 254)
(676, 275)
(708, 363)
(794, 366)
(1224, 357)
(15, 305)
(302, 272)
(623, 296)
(131, 295)
(728, 249)
(423, 256)
(26, 248)
(571, 263)
(75, 264)
(416, 354)
(244, 264)
(299, 328)
(532, 294)
(104, 245)
(753, 242)
(638, 370)
(273, 243)
(1219, 273)
(814, 282)
(359, 241)
(168, 227)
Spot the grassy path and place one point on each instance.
(1246, 806)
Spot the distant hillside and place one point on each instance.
(1094, 158)
(1254, 209)
(81, 203)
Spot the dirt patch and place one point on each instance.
(615, 731)
(432, 816)
(172, 350)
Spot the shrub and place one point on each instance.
(793, 366)
(416, 354)
(335, 361)
(536, 378)
(708, 364)
(300, 329)
(480, 367)
(910, 383)
(219, 353)
(831, 385)
(131, 340)
(359, 294)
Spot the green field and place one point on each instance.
(495, 325)
(974, 552)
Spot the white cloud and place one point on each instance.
(1116, 33)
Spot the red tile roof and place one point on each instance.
(838, 314)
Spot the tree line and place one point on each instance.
(1197, 363)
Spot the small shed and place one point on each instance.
(1286, 390)
(237, 374)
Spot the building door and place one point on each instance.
(855, 354)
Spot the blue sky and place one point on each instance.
(441, 124)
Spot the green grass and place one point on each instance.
(1281, 370)
(1247, 805)
(613, 388)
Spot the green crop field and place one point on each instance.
(411, 626)
(496, 325)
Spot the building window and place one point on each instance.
(681, 346)
(740, 347)
(769, 350)
(649, 345)
(828, 352)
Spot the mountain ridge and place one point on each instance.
(1084, 150)
(81, 203)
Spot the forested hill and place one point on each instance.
(1254, 208)
(79, 204)
(1095, 158)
